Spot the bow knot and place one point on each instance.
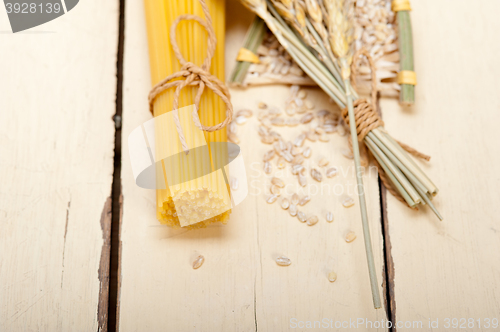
(195, 70)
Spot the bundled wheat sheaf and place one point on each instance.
(329, 59)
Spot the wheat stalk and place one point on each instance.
(340, 14)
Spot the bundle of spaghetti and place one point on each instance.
(195, 198)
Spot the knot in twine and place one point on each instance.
(194, 75)
(367, 118)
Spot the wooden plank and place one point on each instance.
(449, 269)
(56, 163)
(240, 287)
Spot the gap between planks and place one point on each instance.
(116, 191)
(388, 283)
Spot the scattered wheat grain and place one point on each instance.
(268, 168)
(348, 202)
(316, 175)
(312, 220)
(323, 162)
(307, 152)
(351, 236)
(304, 200)
(331, 172)
(301, 216)
(285, 204)
(198, 262)
(283, 261)
(271, 199)
(329, 216)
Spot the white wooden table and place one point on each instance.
(59, 84)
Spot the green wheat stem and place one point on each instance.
(362, 201)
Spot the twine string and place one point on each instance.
(194, 75)
(367, 118)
